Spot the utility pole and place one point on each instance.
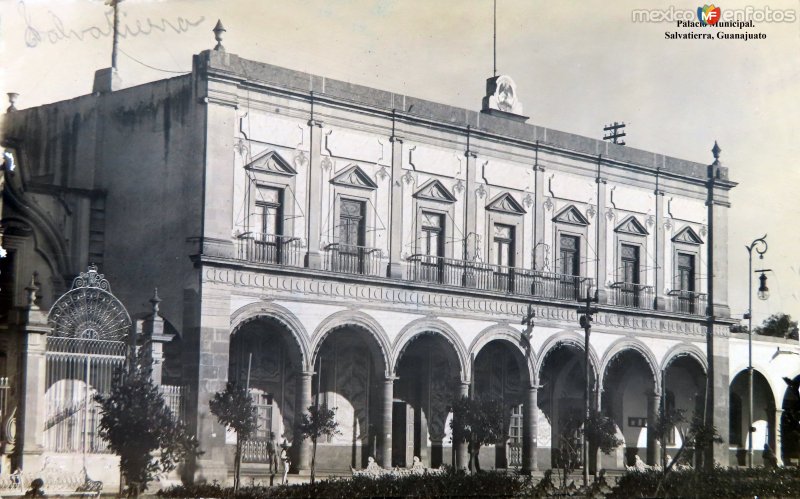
(115, 39)
(530, 427)
(586, 323)
(615, 134)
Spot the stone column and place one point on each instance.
(34, 369)
(313, 210)
(653, 447)
(530, 430)
(304, 400)
(775, 438)
(396, 227)
(462, 457)
(385, 440)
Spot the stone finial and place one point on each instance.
(218, 30)
(716, 150)
(155, 301)
(31, 290)
(12, 99)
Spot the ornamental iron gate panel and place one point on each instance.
(87, 343)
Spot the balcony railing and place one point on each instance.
(270, 248)
(483, 276)
(687, 302)
(351, 259)
(363, 260)
(632, 295)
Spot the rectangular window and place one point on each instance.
(686, 272)
(628, 290)
(685, 285)
(350, 255)
(503, 257)
(431, 247)
(269, 212)
(515, 428)
(630, 264)
(568, 287)
(569, 255)
(504, 245)
(268, 209)
(351, 223)
(432, 234)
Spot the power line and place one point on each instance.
(149, 66)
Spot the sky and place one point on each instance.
(577, 66)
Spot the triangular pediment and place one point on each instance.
(632, 226)
(435, 191)
(271, 162)
(505, 203)
(571, 215)
(687, 236)
(354, 176)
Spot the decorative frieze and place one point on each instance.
(499, 309)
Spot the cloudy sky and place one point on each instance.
(578, 66)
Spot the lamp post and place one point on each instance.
(760, 245)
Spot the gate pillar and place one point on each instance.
(34, 369)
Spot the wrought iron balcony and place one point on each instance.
(687, 302)
(632, 295)
(270, 248)
(351, 259)
(487, 277)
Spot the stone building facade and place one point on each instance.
(323, 241)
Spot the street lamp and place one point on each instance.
(760, 245)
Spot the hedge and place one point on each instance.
(720, 483)
(489, 485)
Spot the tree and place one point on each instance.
(779, 325)
(600, 432)
(234, 409)
(695, 434)
(477, 421)
(318, 422)
(136, 422)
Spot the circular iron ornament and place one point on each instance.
(89, 311)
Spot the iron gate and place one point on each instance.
(87, 343)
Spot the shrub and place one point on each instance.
(458, 484)
(136, 422)
(719, 483)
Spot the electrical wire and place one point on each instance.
(149, 66)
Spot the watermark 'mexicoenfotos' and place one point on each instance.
(714, 21)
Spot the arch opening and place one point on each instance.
(763, 417)
(684, 389)
(500, 373)
(349, 367)
(562, 378)
(628, 384)
(266, 358)
(428, 378)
